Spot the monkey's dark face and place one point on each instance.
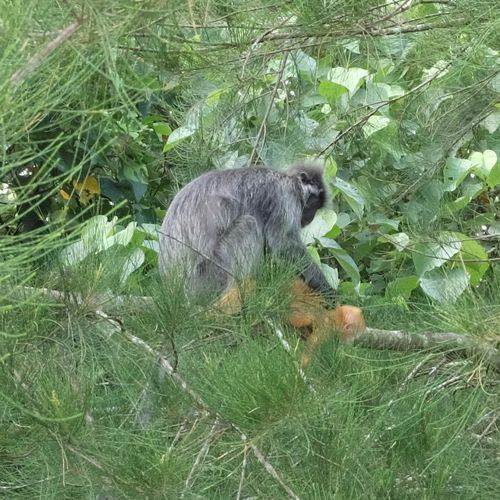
(314, 202)
(314, 192)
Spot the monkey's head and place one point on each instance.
(313, 190)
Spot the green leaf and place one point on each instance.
(494, 177)
(445, 286)
(133, 262)
(123, 237)
(474, 251)
(178, 135)
(428, 256)
(377, 219)
(331, 275)
(323, 222)
(399, 240)
(401, 287)
(352, 195)
(331, 91)
(351, 78)
(162, 128)
(330, 170)
(374, 124)
(483, 162)
(376, 93)
(455, 171)
(344, 259)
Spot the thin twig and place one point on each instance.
(268, 110)
(242, 476)
(399, 340)
(37, 59)
(200, 458)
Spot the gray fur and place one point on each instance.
(220, 225)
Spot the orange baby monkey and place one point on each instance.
(308, 314)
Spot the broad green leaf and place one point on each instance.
(374, 124)
(470, 191)
(330, 169)
(162, 128)
(313, 252)
(494, 177)
(133, 262)
(123, 237)
(455, 171)
(331, 91)
(150, 229)
(323, 221)
(178, 135)
(491, 122)
(344, 259)
(351, 78)
(401, 287)
(376, 219)
(399, 240)
(445, 286)
(331, 275)
(428, 256)
(352, 195)
(475, 253)
(494, 229)
(483, 162)
(152, 245)
(305, 63)
(74, 253)
(376, 93)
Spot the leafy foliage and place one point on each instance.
(108, 108)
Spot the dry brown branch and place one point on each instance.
(200, 458)
(37, 59)
(399, 340)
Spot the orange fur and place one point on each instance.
(308, 314)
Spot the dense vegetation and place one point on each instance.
(108, 108)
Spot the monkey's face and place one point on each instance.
(314, 202)
(314, 191)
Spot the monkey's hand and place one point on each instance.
(232, 301)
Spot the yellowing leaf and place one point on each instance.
(87, 189)
(64, 195)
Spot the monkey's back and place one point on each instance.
(207, 206)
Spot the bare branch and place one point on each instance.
(37, 59)
(399, 340)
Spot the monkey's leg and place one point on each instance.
(239, 250)
(232, 301)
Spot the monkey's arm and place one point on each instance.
(289, 246)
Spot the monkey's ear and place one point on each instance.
(305, 177)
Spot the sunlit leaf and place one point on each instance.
(454, 172)
(323, 221)
(402, 287)
(352, 195)
(374, 124)
(351, 78)
(344, 259)
(445, 286)
(483, 162)
(428, 256)
(133, 262)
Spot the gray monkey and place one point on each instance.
(221, 224)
